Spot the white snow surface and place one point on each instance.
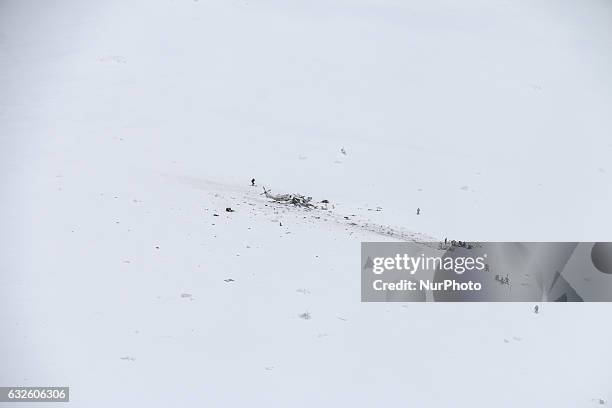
(125, 126)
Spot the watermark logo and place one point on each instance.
(486, 271)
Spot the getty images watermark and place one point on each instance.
(411, 264)
(490, 271)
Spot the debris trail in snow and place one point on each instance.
(306, 209)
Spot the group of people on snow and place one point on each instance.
(460, 244)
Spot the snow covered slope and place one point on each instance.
(125, 126)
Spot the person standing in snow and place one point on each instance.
(418, 211)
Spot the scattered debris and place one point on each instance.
(229, 209)
(305, 316)
(296, 199)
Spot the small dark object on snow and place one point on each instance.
(253, 182)
(418, 211)
(536, 309)
(503, 280)
(346, 218)
(229, 209)
(305, 316)
(215, 215)
(280, 224)
(228, 280)
(325, 201)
